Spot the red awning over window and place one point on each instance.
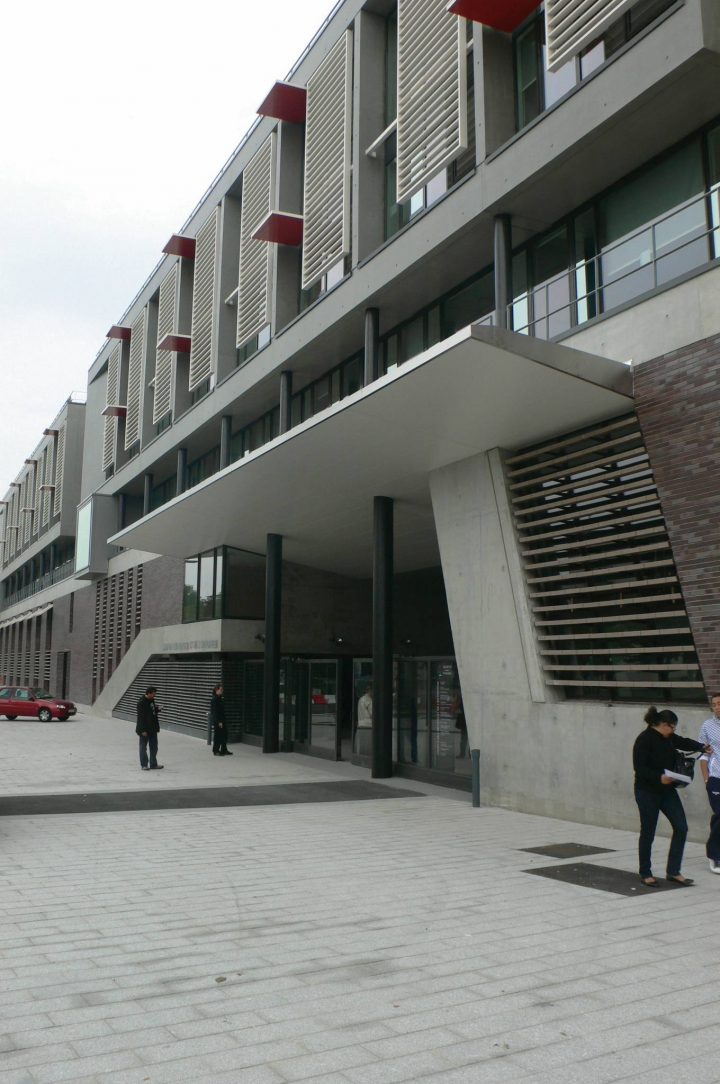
(499, 14)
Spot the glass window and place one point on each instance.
(469, 303)
(190, 590)
(84, 518)
(520, 304)
(558, 83)
(628, 249)
(206, 586)
(528, 93)
(219, 564)
(551, 284)
(412, 338)
(391, 68)
(592, 58)
(322, 393)
(351, 376)
(586, 279)
(713, 147)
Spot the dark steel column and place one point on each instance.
(225, 434)
(372, 345)
(181, 471)
(503, 268)
(147, 492)
(285, 399)
(271, 676)
(382, 634)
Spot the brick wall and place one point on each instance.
(678, 404)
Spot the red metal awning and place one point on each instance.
(178, 343)
(499, 14)
(181, 246)
(117, 332)
(285, 102)
(281, 228)
(114, 411)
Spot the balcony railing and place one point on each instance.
(684, 240)
(62, 572)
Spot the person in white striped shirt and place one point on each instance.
(710, 768)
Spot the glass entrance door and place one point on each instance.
(323, 706)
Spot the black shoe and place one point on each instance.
(156, 767)
(215, 753)
(678, 879)
(144, 768)
(227, 753)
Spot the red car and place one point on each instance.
(34, 704)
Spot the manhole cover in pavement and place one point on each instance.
(604, 878)
(566, 850)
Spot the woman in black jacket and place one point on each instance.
(217, 715)
(656, 792)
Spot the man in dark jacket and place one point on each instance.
(217, 716)
(147, 729)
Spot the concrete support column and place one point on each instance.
(181, 471)
(147, 491)
(372, 345)
(225, 434)
(382, 637)
(271, 676)
(286, 382)
(503, 268)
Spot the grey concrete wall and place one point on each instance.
(684, 314)
(563, 759)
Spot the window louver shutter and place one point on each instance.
(135, 381)
(111, 398)
(570, 25)
(47, 465)
(432, 92)
(328, 132)
(258, 198)
(203, 310)
(59, 470)
(25, 502)
(162, 404)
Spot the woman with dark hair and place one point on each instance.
(217, 715)
(656, 792)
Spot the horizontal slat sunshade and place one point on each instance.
(164, 361)
(203, 310)
(570, 25)
(135, 381)
(576, 564)
(254, 285)
(111, 398)
(432, 92)
(328, 132)
(59, 470)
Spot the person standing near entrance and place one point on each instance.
(710, 767)
(364, 721)
(147, 729)
(217, 716)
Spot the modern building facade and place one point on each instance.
(422, 397)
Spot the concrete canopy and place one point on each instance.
(480, 389)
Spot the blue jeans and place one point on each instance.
(651, 804)
(151, 743)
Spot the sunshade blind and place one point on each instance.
(111, 398)
(164, 367)
(570, 25)
(201, 348)
(328, 141)
(258, 198)
(25, 502)
(46, 480)
(135, 381)
(432, 92)
(13, 519)
(59, 470)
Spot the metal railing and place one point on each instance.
(684, 240)
(55, 575)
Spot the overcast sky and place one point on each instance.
(116, 118)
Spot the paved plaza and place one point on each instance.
(360, 939)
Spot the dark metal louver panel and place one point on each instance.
(609, 615)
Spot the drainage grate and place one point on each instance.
(604, 878)
(566, 850)
(205, 798)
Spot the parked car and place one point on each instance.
(26, 701)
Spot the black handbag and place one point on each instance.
(684, 765)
